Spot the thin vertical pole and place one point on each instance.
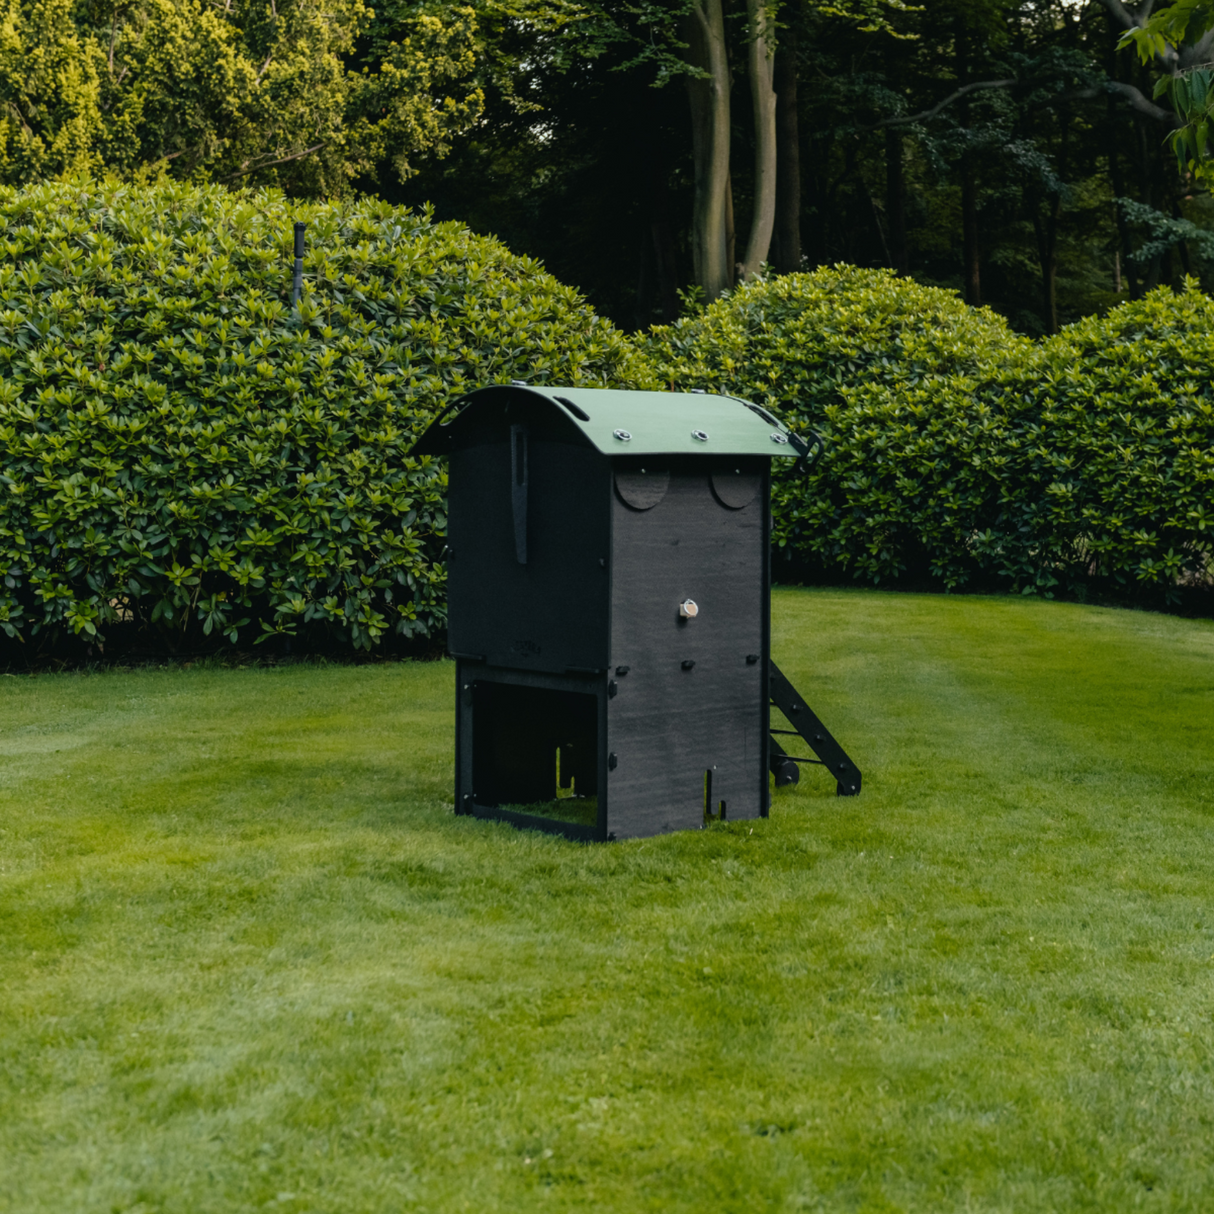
(297, 284)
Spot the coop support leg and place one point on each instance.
(813, 733)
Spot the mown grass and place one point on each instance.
(251, 961)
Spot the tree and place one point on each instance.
(708, 86)
(1179, 42)
(708, 94)
(257, 91)
(708, 91)
(1015, 174)
(1020, 130)
(760, 62)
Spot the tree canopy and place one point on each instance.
(1049, 158)
(302, 93)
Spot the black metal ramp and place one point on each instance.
(813, 733)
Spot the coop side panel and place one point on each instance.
(550, 614)
(670, 723)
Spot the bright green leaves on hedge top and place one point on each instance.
(179, 448)
(273, 93)
(798, 342)
(959, 450)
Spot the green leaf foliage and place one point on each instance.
(301, 95)
(885, 368)
(1110, 446)
(182, 449)
(962, 452)
(1174, 39)
(798, 342)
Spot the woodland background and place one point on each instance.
(653, 153)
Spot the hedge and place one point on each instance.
(887, 370)
(1110, 447)
(1084, 461)
(962, 452)
(799, 343)
(182, 450)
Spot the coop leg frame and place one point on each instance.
(815, 735)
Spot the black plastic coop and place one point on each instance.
(609, 599)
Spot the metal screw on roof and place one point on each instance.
(700, 391)
(622, 435)
(699, 436)
(777, 437)
(519, 383)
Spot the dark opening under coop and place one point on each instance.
(609, 600)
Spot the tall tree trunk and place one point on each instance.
(1115, 176)
(895, 202)
(763, 101)
(969, 238)
(970, 252)
(657, 285)
(786, 241)
(816, 201)
(1049, 258)
(642, 305)
(731, 234)
(1123, 229)
(663, 252)
(1182, 246)
(709, 99)
(1154, 268)
(876, 214)
(1051, 268)
(1047, 253)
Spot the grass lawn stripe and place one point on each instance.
(252, 961)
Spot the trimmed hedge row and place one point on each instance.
(1111, 449)
(963, 452)
(886, 369)
(181, 449)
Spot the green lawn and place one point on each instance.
(250, 960)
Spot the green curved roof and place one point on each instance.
(656, 423)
